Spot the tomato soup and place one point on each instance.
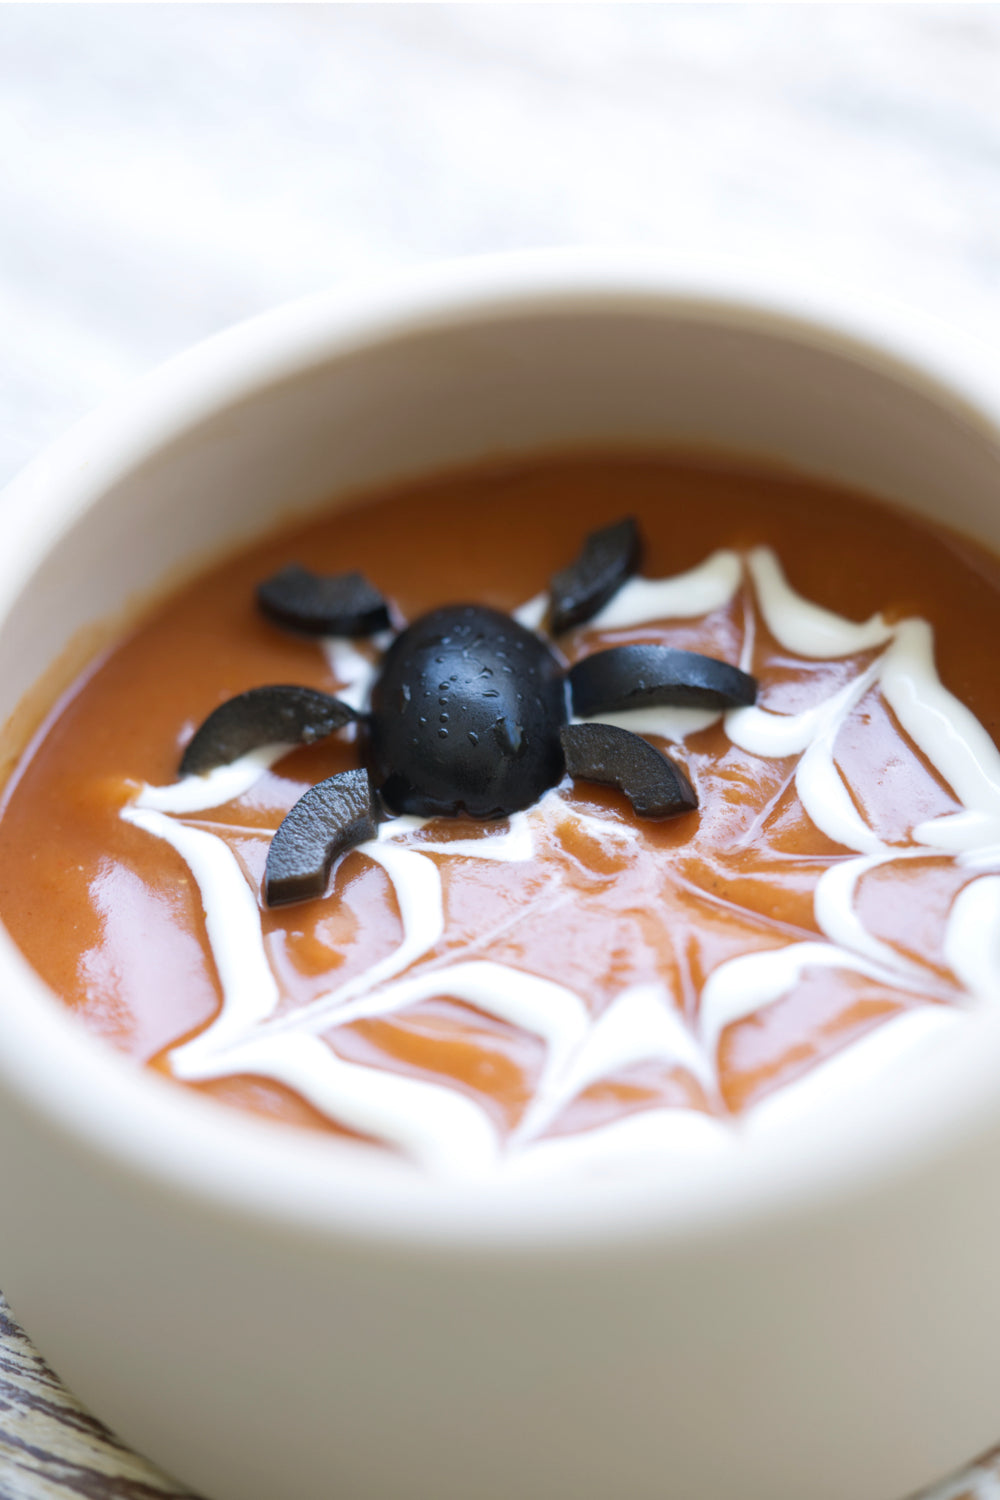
(573, 982)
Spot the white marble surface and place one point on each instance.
(166, 170)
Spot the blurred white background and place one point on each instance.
(168, 169)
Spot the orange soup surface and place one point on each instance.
(574, 976)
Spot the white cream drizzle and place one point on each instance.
(776, 735)
(600, 828)
(354, 669)
(893, 1045)
(801, 626)
(634, 1142)
(972, 940)
(668, 723)
(746, 984)
(640, 1025)
(533, 612)
(515, 844)
(837, 915)
(437, 1127)
(443, 1130)
(709, 586)
(215, 788)
(232, 921)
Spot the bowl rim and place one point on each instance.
(157, 1137)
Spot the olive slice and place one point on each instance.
(263, 716)
(323, 603)
(328, 820)
(652, 782)
(639, 676)
(608, 558)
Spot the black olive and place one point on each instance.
(652, 782)
(329, 819)
(323, 604)
(263, 716)
(637, 676)
(608, 558)
(466, 715)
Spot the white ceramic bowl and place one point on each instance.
(268, 1315)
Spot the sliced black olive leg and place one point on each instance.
(654, 784)
(323, 604)
(329, 819)
(626, 677)
(608, 558)
(263, 716)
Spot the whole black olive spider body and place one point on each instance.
(470, 712)
(465, 716)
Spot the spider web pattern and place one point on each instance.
(798, 935)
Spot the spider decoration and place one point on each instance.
(471, 713)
